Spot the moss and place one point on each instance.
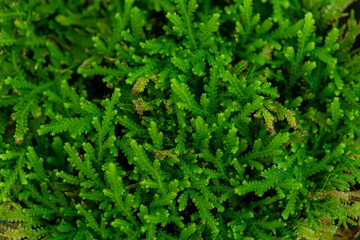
(184, 119)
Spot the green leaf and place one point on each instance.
(89, 218)
(206, 30)
(185, 97)
(204, 208)
(36, 164)
(137, 23)
(76, 126)
(156, 136)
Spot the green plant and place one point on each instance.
(184, 119)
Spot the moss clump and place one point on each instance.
(184, 119)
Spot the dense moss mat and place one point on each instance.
(184, 119)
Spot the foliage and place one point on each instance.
(182, 119)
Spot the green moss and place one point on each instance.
(184, 119)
